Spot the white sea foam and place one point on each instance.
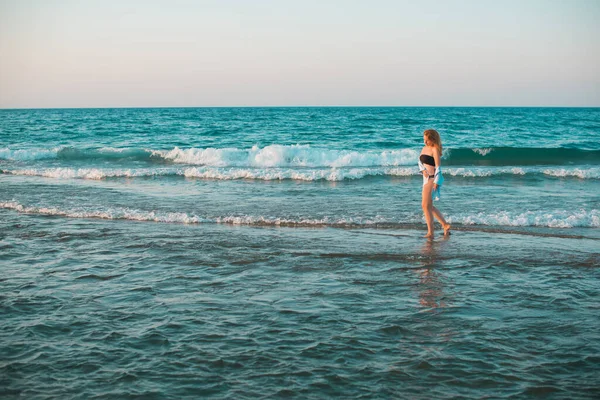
(183, 218)
(302, 174)
(475, 172)
(330, 174)
(89, 173)
(551, 218)
(588, 173)
(483, 152)
(109, 213)
(287, 156)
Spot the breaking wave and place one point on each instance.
(268, 156)
(310, 157)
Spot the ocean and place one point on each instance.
(278, 252)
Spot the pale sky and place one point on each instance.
(153, 53)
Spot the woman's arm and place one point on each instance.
(438, 163)
(437, 158)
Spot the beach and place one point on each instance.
(279, 252)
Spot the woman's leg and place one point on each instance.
(440, 217)
(427, 205)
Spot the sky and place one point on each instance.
(175, 53)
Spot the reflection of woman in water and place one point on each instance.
(432, 290)
(429, 164)
(431, 282)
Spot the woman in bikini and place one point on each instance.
(429, 163)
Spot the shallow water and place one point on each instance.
(126, 309)
(297, 271)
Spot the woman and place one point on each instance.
(429, 165)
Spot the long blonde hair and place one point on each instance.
(434, 137)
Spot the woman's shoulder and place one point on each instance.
(428, 150)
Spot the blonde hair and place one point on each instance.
(434, 137)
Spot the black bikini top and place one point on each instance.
(425, 159)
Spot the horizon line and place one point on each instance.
(280, 106)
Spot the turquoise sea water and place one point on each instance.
(278, 252)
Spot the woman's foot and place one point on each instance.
(447, 229)
(429, 236)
